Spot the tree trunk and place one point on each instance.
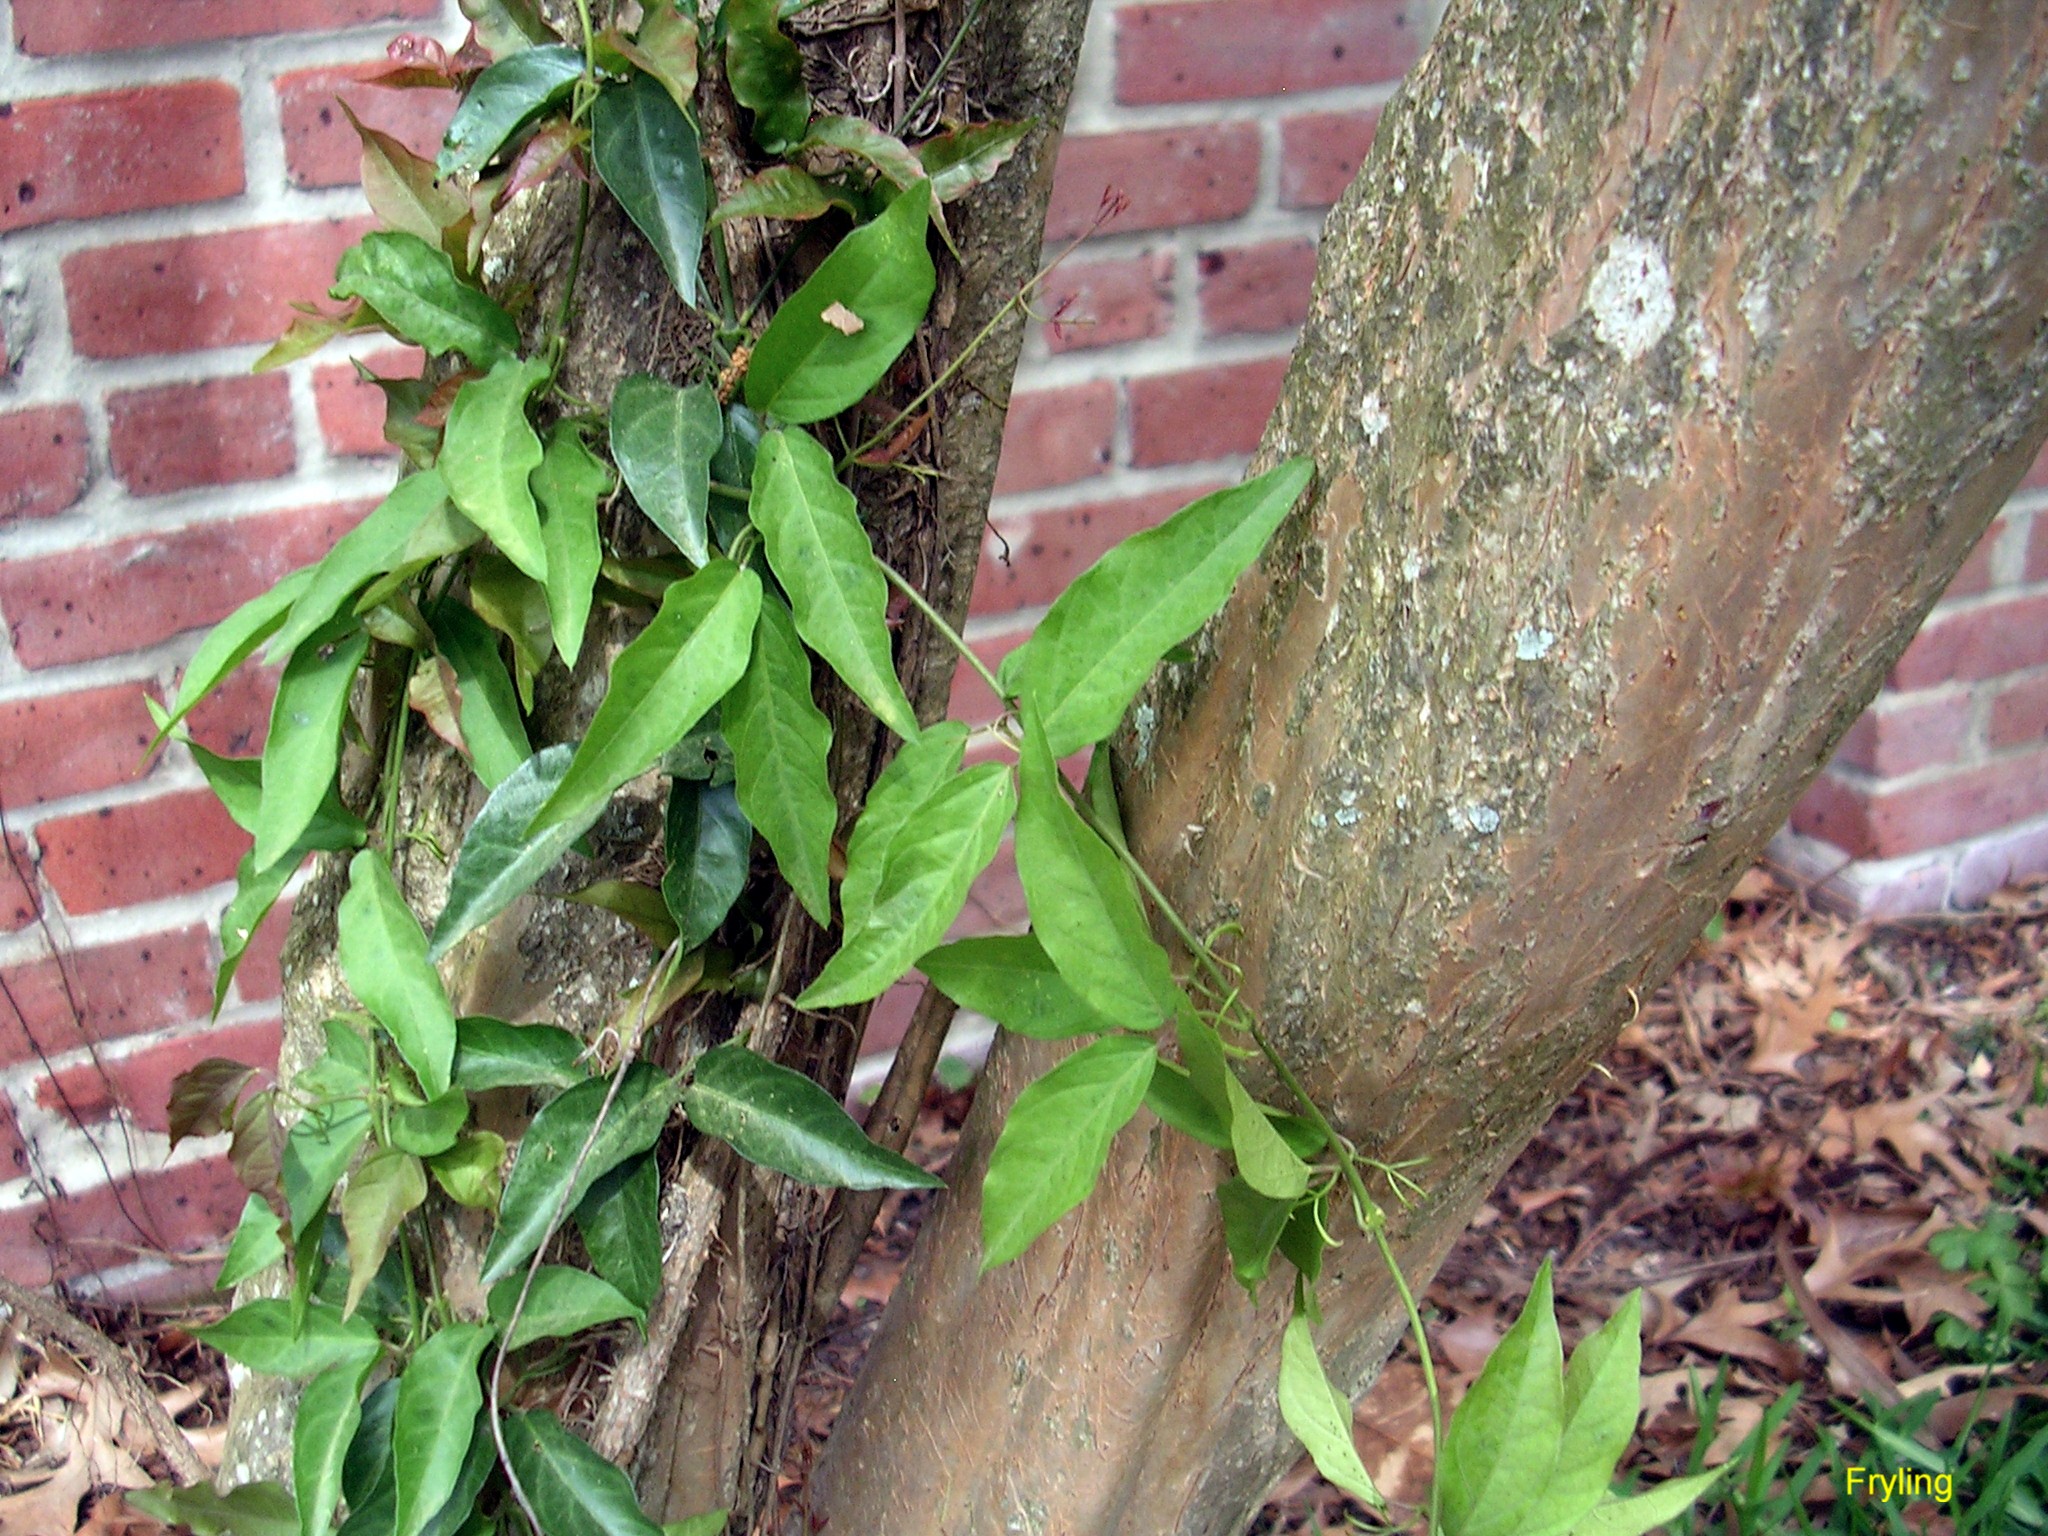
(1664, 364)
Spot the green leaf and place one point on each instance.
(307, 334)
(620, 1220)
(1502, 1442)
(388, 1187)
(304, 746)
(1056, 1141)
(811, 528)
(661, 685)
(259, 1334)
(921, 767)
(962, 160)
(858, 137)
(710, 1523)
(499, 860)
(804, 368)
(489, 1053)
(427, 1130)
(646, 152)
(468, 1171)
(372, 547)
(782, 1120)
(256, 892)
(230, 643)
(366, 1483)
(1082, 905)
(574, 1491)
(781, 192)
(489, 710)
(1307, 1236)
(413, 286)
(254, 1509)
(317, 1151)
(487, 453)
(663, 439)
(781, 743)
(1264, 1158)
(932, 865)
(516, 606)
(1602, 1397)
(254, 1247)
(709, 845)
(458, 1515)
(1174, 1098)
(384, 959)
(666, 47)
(1252, 1225)
(329, 1411)
(506, 26)
(1011, 980)
(631, 902)
(435, 1419)
(403, 190)
(567, 487)
(542, 1184)
(505, 99)
(1646, 1511)
(561, 1304)
(1320, 1416)
(766, 73)
(1103, 636)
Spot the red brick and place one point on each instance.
(102, 26)
(139, 1084)
(1213, 50)
(1047, 550)
(2019, 714)
(1320, 153)
(1168, 177)
(1254, 288)
(1983, 640)
(259, 978)
(214, 432)
(71, 743)
(110, 598)
(1968, 803)
(121, 989)
(1056, 436)
(82, 157)
(183, 1214)
(196, 291)
(322, 150)
(2037, 549)
(352, 409)
(1894, 739)
(1184, 418)
(44, 451)
(125, 854)
(971, 699)
(21, 896)
(1103, 303)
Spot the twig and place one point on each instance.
(41, 1315)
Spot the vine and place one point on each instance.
(481, 568)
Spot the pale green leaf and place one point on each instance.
(781, 192)
(574, 1491)
(663, 439)
(1502, 1442)
(254, 1509)
(1264, 1159)
(516, 606)
(435, 1420)
(766, 73)
(567, 488)
(781, 742)
(666, 47)
(403, 190)
(1174, 1098)
(489, 709)
(413, 286)
(387, 1188)
(254, 1247)
(1010, 979)
(1646, 1511)
(303, 749)
(371, 548)
(860, 138)
(500, 860)
(920, 768)
(1056, 1141)
(429, 1129)
(470, 1171)
(487, 453)
(963, 159)
(782, 1120)
(504, 100)
(560, 1304)
(821, 555)
(384, 959)
(1319, 1415)
(260, 1335)
(230, 643)
(646, 152)
(317, 1151)
(710, 1523)
(1602, 1397)
(329, 1410)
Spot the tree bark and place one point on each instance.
(1664, 364)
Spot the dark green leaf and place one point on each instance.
(1010, 979)
(920, 768)
(1502, 1442)
(1102, 637)
(434, 1420)
(230, 643)
(489, 710)
(780, 743)
(487, 453)
(1176, 1100)
(963, 159)
(329, 1411)
(499, 860)
(366, 1470)
(1252, 1225)
(766, 73)
(858, 137)
(317, 1151)
(781, 192)
(805, 368)
(567, 487)
(259, 1334)
(620, 1220)
(1319, 1416)
(574, 1491)
(542, 1185)
(304, 745)
(709, 845)
(782, 1120)
(932, 865)
(489, 1053)
(1306, 1237)
(661, 685)
(469, 1171)
(372, 547)
(561, 1303)
(811, 527)
(388, 1187)
(254, 1247)
(426, 1130)
(646, 152)
(384, 958)
(1264, 1159)
(505, 99)
(1602, 1397)
(1083, 908)
(663, 439)
(1056, 1140)
(413, 286)
(254, 1509)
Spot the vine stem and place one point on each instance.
(394, 764)
(952, 635)
(924, 396)
(938, 74)
(575, 268)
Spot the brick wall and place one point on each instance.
(171, 176)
